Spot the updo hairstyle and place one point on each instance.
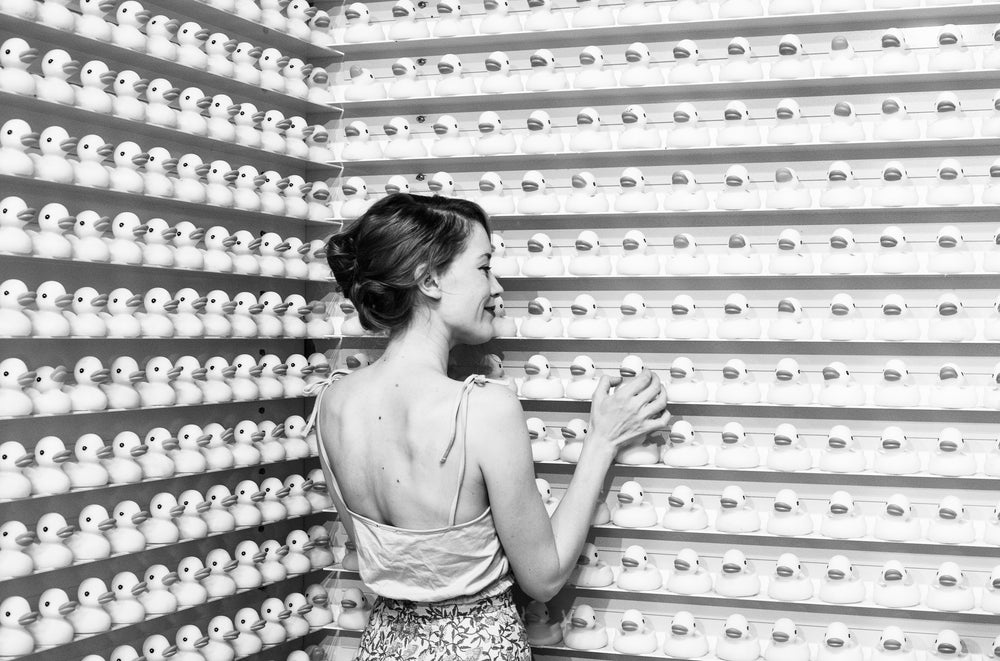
(375, 259)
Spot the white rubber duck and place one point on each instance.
(161, 528)
(449, 141)
(741, 258)
(791, 580)
(948, 645)
(844, 321)
(636, 258)
(637, 12)
(88, 470)
(15, 539)
(896, 56)
(452, 82)
(791, 322)
(738, 129)
(634, 511)
(685, 321)
(540, 138)
(121, 465)
(47, 393)
(15, 297)
(789, 128)
(740, 64)
(897, 387)
(950, 590)
(16, 137)
(684, 639)
(637, 321)
(896, 588)
(739, 320)
(125, 537)
(495, 201)
(839, 387)
(582, 630)
(156, 462)
(788, 453)
(738, 641)
(583, 381)
(791, 387)
(91, 617)
(544, 76)
(407, 83)
(684, 512)
(895, 454)
(51, 241)
(950, 120)
(272, 63)
(188, 589)
(637, 134)
(493, 139)
(52, 628)
(15, 214)
(16, 55)
(687, 67)
(843, 520)
(951, 255)
(51, 550)
(951, 390)
(536, 200)
(685, 448)
(590, 570)
(57, 66)
(842, 189)
(125, 607)
(738, 578)
(793, 62)
(86, 319)
(689, 575)
(247, 622)
(540, 261)
(951, 187)
(951, 323)
(738, 385)
(952, 54)
(359, 146)
(52, 163)
(639, 69)
(844, 257)
(791, 258)
(737, 514)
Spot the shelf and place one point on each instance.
(812, 541)
(766, 476)
(154, 271)
(101, 642)
(880, 216)
(662, 283)
(31, 583)
(724, 347)
(656, 94)
(177, 407)
(774, 607)
(84, 48)
(176, 482)
(674, 31)
(142, 204)
(29, 107)
(808, 411)
(235, 25)
(784, 154)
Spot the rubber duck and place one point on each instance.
(634, 636)
(15, 378)
(548, 500)
(543, 446)
(592, 73)
(588, 137)
(574, 433)
(787, 643)
(793, 62)
(272, 63)
(789, 193)
(991, 598)
(189, 458)
(685, 448)
(634, 511)
(15, 540)
(405, 24)
(893, 645)
(895, 123)
(841, 584)
(544, 76)
(639, 69)
(740, 63)
(214, 317)
(685, 321)
(356, 200)
(841, 454)
(991, 123)
(739, 320)
(52, 628)
(406, 84)
(126, 537)
(896, 588)
(14, 298)
(298, 544)
(160, 528)
(738, 577)
(790, 581)
(540, 629)
(842, 520)
(636, 135)
(689, 575)
(636, 258)
(897, 387)
(53, 84)
(951, 254)
(950, 590)
(52, 164)
(684, 511)
(271, 184)
(541, 18)
(156, 462)
(494, 140)
(15, 214)
(247, 623)
(895, 454)
(15, 58)
(51, 240)
(15, 137)
(791, 322)
(448, 141)
(951, 323)
(842, 189)
(951, 390)
(738, 385)
(790, 517)
(637, 321)
(842, 125)
(591, 571)
(88, 471)
(839, 387)
(790, 260)
(271, 506)
(842, 60)
(687, 67)
(738, 641)
(125, 607)
(498, 78)
(896, 56)
(359, 146)
(89, 170)
(952, 524)
(951, 54)
(844, 321)
(48, 393)
(452, 81)
(158, 248)
(950, 120)
(188, 589)
(740, 258)
(582, 631)
(320, 554)
(540, 140)
(245, 57)
(51, 550)
(737, 514)
(948, 645)
(684, 639)
(86, 319)
(896, 189)
(218, 583)
(316, 596)
(495, 201)
(363, 86)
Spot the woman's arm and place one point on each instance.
(543, 551)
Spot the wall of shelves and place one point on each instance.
(711, 226)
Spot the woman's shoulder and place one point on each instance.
(495, 407)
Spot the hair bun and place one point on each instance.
(343, 260)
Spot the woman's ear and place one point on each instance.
(427, 282)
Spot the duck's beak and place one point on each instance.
(139, 588)
(140, 517)
(106, 598)
(68, 608)
(231, 635)
(28, 618)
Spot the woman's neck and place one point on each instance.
(419, 346)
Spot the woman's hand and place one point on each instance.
(637, 407)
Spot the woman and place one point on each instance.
(434, 477)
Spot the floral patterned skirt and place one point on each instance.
(484, 628)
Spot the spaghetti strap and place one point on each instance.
(319, 389)
(458, 430)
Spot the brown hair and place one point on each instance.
(375, 260)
